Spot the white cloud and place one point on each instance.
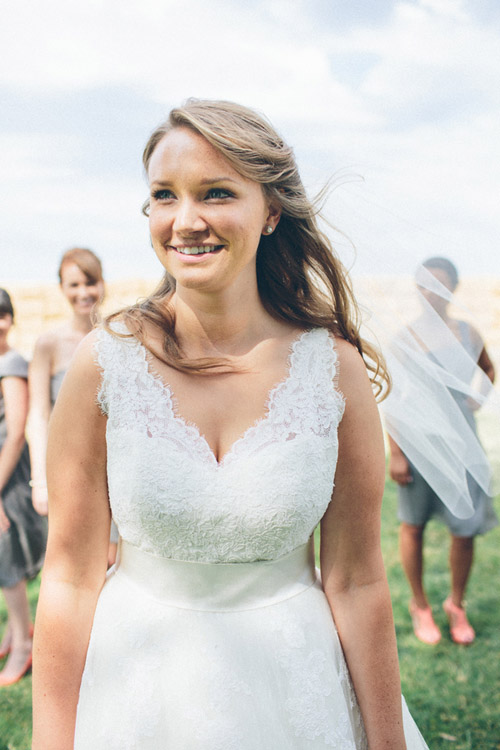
(24, 158)
(420, 44)
(450, 8)
(170, 50)
(411, 102)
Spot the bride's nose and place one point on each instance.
(188, 217)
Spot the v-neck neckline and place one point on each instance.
(192, 427)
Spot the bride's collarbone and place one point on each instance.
(224, 398)
(247, 374)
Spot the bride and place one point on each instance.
(222, 419)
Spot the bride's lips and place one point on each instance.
(195, 253)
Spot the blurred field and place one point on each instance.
(42, 306)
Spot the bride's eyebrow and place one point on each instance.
(213, 180)
(161, 183)
(207, 181)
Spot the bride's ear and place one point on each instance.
(273, 217)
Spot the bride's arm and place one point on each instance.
(352, 569)
(75, 564)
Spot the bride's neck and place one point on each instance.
(208, 327)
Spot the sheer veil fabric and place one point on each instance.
(438, 388)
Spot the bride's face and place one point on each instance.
(205, 219)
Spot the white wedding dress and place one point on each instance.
(213, 632)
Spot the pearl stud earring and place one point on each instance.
(269, 229)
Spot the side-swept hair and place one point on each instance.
(300, 278)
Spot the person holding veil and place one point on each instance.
(222, 419)
(450, 349)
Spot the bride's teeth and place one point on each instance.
(196, 250)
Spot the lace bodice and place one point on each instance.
(169, 495)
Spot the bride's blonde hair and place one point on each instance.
(300, 278)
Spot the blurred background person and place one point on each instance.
(417, 500)
(22, 530)
(81, 281)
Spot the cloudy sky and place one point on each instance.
(398, 101)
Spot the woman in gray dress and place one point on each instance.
(22, 530)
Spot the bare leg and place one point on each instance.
(461, 556)
(411, 539)
(6, 641)
(20, 624)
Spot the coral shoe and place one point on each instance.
(461, 630)
(424, 626)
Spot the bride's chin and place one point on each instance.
(196, 282)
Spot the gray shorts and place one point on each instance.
(417, 503)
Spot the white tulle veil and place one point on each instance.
(438, 387)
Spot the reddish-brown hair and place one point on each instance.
(87, 261)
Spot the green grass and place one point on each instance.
(15, 701)
(452, 691)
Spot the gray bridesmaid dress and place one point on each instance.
(22, 546)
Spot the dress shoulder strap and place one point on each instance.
(316, 358)
(116, 356)
(310, 398)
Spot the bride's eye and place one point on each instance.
(218, 194)
(163, 195)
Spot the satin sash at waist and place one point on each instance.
(218, 587)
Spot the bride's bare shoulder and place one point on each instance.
(349, 357)
(352, 373)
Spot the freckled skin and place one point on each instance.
(197, 198)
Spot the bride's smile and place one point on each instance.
(205, 224)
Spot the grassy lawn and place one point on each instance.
(15, 701)
(452, 691)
